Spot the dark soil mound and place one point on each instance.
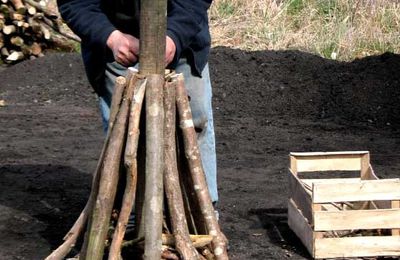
(267, 104)
(296, 84)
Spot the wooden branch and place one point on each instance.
(57, 27)
(198, 241)
(35, 49)
(9, 29)
(102, 209)
(17, 41)
(131, 175)
(42, 8)
(73, 234)
(19, 6)
(31, 9)
(153, 211)
(4, 52)
(120, 85)
(197, 174)
(6, 11)
(17, 16)
(134, 120)
(118, 91)
(171, 179)
(15, 56)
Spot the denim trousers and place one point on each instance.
(200, 93)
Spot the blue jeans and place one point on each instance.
(200, 92)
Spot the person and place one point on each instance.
(109, 30)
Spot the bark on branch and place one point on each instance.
(171, 179)
(102, 209)
(73, 234)
(153, 211)
(131, 173)
(192, 154)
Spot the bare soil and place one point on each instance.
(267, 104)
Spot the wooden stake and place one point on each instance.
(108, 183)
(73, 234)
(153, 211)
(131, 174)
(171, 179)
(197, 174)
(153, 21)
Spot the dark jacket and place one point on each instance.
(94, 20)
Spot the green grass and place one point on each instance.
(226, 8)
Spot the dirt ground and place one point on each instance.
(267, 104)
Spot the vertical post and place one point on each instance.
(152, 65)
(153, 24)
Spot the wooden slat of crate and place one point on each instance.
(357, 246)
(300, 196)
(300, 226)
(395, 205)
(382, 204)
(356, 219)
(388, 189)
(310, 182)
(332, 161)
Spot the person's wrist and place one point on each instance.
(170, 50)
(172, 44)
(111, 39)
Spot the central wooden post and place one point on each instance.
(152, 65)
(153, 24)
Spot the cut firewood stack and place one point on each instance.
(189, 228)
(27, 27)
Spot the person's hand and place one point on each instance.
(170, 50)
(125, 47)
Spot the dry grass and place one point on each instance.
(337, 29)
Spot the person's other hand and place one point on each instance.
(125, 47)
(170, 50)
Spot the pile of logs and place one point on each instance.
(188, 227)
(29, 26)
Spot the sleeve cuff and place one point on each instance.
(103, 37)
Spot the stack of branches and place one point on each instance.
(29, 26)
(189, 227)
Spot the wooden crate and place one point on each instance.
(319, 213)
